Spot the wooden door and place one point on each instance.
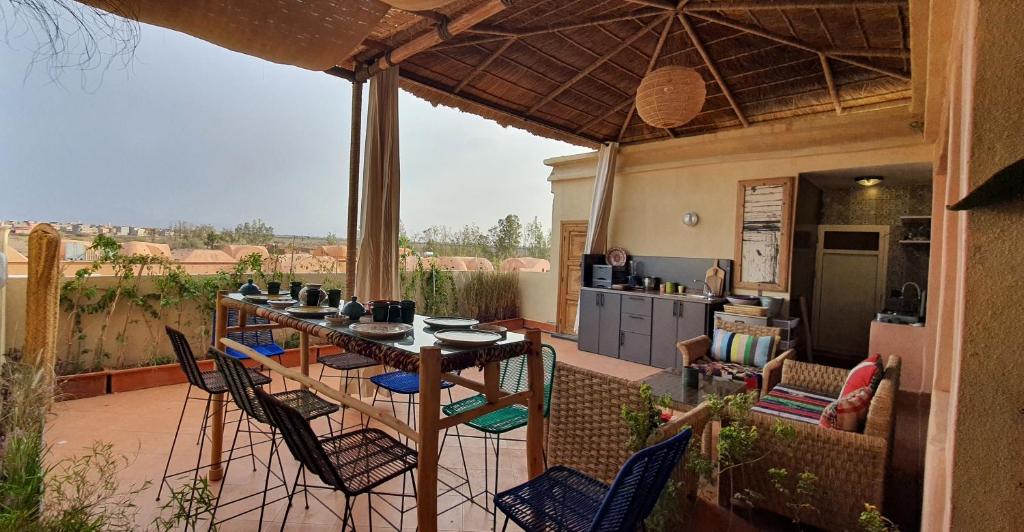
(849, 286)
(573, 239)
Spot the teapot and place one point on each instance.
(354, 309)
(249, 289)
(312, 295)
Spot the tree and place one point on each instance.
(537, 240)
(331, 239)
(255, 233)
(472, 242)
(506, 237)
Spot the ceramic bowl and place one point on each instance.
(744, 300)
(337, 319)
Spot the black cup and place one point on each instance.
(273, 288)
(294, 289)
(395, 313)
(334, 297)
(691, 377)
(380, 311)
(408, 311)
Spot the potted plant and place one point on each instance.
(161, 370)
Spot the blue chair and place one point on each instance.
(260, 341)
(564, 499)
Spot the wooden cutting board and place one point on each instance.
(715, 277)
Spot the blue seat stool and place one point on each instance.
(564, 499)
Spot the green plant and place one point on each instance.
(872, 520)
(75, 295)
(643, 424)
(187, 506)
(799, 496)
(490, 296)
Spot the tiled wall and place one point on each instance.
(883, 205)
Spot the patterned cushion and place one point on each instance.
(742, 349)
(737, 372)
(793, 403)
(848, 412)
(867, 373)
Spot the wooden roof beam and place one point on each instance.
(539, 30)
(754, 30)
(832, 92)
(650, 66)
(660, 4)
(482, 66)
(439, 34)
(695, 40)
(869, 52)
(593, 66)
(703, 7)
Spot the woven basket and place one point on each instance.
(670, 96)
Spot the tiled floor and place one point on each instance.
(141, 426)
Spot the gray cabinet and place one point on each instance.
(599, 322)
(672, 322)
(635, 347)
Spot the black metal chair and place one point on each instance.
(346, 363)
(208, 382)
(354, 464)
(243, 392)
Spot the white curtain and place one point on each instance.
(377, 266)
(601, 205)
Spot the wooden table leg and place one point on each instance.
(430, 414)
(535, 408)
(217, 422)
(304, 355)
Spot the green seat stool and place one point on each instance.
(513, 379)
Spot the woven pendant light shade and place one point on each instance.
(670, 96)
(416, 5)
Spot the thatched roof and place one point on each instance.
(568, 69)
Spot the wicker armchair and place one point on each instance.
(586, 431)
(695, 349)
(850, 466)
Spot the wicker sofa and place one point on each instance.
(850, 466)
(696, 350)
(586, 430)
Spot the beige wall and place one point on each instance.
(973, 473)
(538, 291)
(656, 183)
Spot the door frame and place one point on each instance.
(563, 264)
(883, 264)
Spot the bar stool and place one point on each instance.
(209, 382)
(243, 391)
(354, 464)
(513, 379)
(346, 363)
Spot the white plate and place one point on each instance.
(380, 330)
(311, 312)
(256, 298)
(467, 337)
(450, 322)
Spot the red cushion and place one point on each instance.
(862, 375)
(848, 412)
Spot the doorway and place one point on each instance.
(573, 240)
(849, 285)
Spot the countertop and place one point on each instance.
(651, 293)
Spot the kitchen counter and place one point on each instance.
(909, 342)
(651, 293)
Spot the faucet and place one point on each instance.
(920, 296)
(708, 293)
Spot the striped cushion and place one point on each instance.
(794, 404)
(848, 412)
(742, 349)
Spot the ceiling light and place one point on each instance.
(869, 180)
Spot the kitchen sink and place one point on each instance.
(902, 319)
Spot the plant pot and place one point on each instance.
(81, 385)
(126, 380)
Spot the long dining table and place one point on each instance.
(416, 352)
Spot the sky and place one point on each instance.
(194, 132)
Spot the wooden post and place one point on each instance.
(217, 422)
(353, 187)
(430, 413)
(492, 381)
(4, 232)
(535, 408)
(304, 355)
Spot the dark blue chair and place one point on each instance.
(564, 499)
(261, 341)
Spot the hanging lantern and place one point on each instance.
(670, 96)
(417, 5)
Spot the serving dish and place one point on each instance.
(381, 330)
(466, 337)
(450, 322)
(744, 300)
(281, 304)
(310, 312)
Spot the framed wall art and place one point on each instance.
(764, 233)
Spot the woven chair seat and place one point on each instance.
(308, 404)
(347, 361)
(498, 422)
(365, 459)
(215, 383)
(560, 500)
(402, 382)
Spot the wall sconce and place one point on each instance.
(691, 219)
(869, 180)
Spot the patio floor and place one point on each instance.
(141, 425)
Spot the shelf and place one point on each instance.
(927, 242)
(915, 218)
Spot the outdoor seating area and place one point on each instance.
(776, 293)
